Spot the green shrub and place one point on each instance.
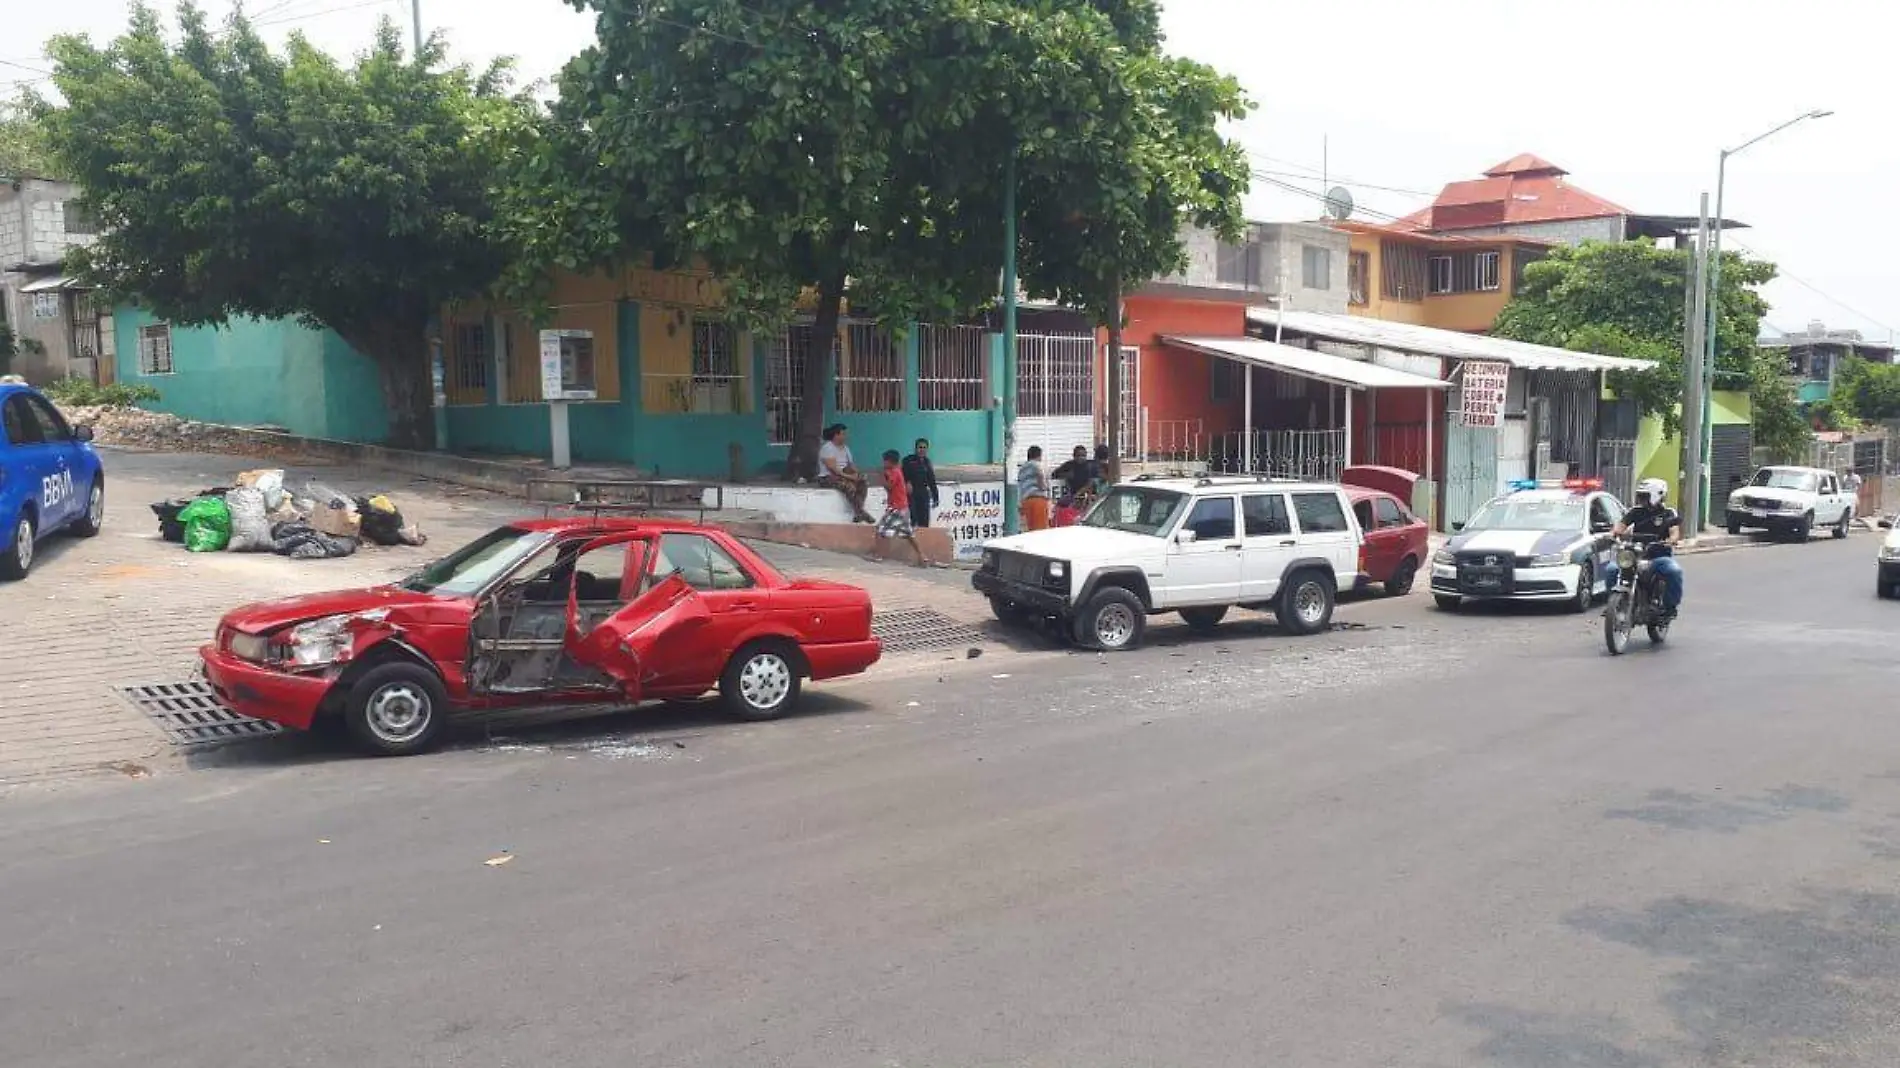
(79, 393)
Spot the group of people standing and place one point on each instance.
(1057, 498)
(1080, 479)
(910, 486)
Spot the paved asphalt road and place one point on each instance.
(1437, 841)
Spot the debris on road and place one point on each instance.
(259, 515)
(498, 860)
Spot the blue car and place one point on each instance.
(50, 478)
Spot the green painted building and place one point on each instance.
(675, 390)
(253, 372)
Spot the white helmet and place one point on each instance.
(1652, 491)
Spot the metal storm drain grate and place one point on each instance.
(190, 714)
(910, 630)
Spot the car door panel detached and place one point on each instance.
(636, 644)
(1207, 569)
(1270, 545)
(738, 606)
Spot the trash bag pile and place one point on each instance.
(260, 515)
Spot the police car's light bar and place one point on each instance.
(1551, 483)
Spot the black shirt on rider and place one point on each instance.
(1652, 520)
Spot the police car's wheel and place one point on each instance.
(1586, 588)
(17, 558)
(95, 518)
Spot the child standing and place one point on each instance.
(896, 522)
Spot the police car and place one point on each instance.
(50, 477)
(1542, 541)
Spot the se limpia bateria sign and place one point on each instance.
(1482, 387)
(971, 513)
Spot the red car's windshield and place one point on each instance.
(468, 569)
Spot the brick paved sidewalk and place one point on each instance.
(127, 609)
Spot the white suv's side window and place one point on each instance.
(1320, 513)
(1212, 519)
(1265, 515)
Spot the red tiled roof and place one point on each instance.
(1525, 163)
(1523, 189)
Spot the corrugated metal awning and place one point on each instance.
(1430, 341)
(47, 285)
(1319, 366)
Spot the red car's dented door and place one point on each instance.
(633, 645)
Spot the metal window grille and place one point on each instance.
(1358, 277)
(714, 384)
(1487, 270)
(785, 383)
(952, 365)
(155, 349)
(870, 370)
(471, 355)
(1055, 375)
(1134, 425)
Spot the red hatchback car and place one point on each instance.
(1397, 542)
(556, 611)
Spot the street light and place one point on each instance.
(1713, 284)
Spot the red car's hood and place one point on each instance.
(270, 615)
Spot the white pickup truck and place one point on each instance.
(1792, 501)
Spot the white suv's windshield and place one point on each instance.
(1778, 478)
(1137, 510)
(475, 565)
(1529, 515)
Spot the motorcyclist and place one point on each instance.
(1653, 518)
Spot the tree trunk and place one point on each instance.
(816, 380)
(1113, 385)
(400, 351)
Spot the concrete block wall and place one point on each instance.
(1564, 232)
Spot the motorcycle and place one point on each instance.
(1637, 598)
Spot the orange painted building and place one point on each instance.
(1446, 281)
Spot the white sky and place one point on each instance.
(1412, 95)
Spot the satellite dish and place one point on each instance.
(1338, 202)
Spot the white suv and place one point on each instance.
(1792, 501)
(1193, 546)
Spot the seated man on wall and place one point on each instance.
(836, 469)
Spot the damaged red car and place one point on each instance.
(551, 612)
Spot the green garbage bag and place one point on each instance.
(207, 525)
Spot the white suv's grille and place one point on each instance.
(1022, 567)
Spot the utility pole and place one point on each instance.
(1692, 381)
(415, 21)
(1012, 522)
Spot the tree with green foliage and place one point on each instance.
(798, 146)
(24, 152)
(232, 181)
(1865, 391)
(1626, 299)
(1105, 203)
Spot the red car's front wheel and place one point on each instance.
(396, 710)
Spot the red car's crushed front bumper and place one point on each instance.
(259, 692)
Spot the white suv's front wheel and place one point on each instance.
(1113, 621)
